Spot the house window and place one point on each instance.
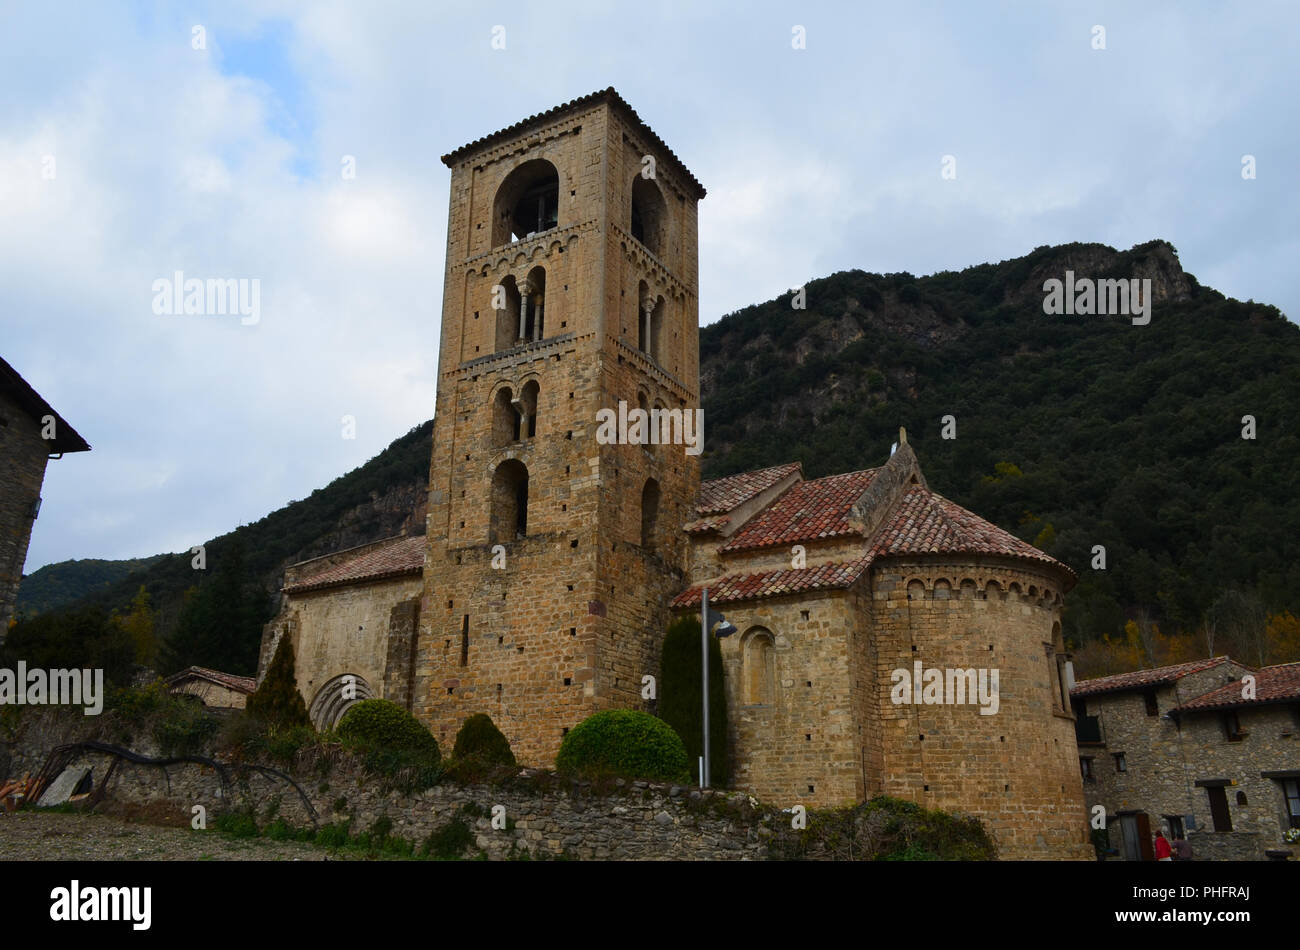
(1219, 808)
(1175, 825)
(1153, 708)
(1291, 792)
(1232, 726)
(1085, 767)
(1121, 765)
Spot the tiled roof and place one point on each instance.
(705, 525)
(240, 684)
(808, 511)
(1273, 684)
(582, 102)
(400, 556)
(927, 523)
(1143, 679)
(721, 495)
(735, 587)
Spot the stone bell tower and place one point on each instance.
(571, 287)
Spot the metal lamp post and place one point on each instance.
(725, 629)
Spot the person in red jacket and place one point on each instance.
(1163, 851)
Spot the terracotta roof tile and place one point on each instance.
(1273, 684)
(400, 556)
(705, 525)
(928, 523)
(808, 511)
(720, 495)
(240, 684)
(754, 586)
(1143, 679)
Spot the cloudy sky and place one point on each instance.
(127, 154)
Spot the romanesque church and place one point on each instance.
(553, 561)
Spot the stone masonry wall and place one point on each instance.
(1016, 769)
(23, 455)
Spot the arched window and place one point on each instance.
(505, 301)
(526, 203)
(649, 514)
(649, 214)
(758, 673)
(509, 502)
(505, 418)
(528, 409)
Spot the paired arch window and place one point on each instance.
(514, 418)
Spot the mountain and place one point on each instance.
(1072, 432)
(55, 585)
(383, 497)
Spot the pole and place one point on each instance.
(704, 646)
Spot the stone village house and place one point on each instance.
(552, 563)
(1181, 750)
(31, 433)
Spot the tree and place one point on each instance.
(680, 702)
(220, 624)
(277, 701)
(139, 626)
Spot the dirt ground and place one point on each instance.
(55, 836)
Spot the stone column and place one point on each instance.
(648, 306)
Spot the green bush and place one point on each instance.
(680, 703)
(624, 742)
(481, 741)
(448, 842)
(380, 725)
(240, 824)
(183, 727)
(393, 742)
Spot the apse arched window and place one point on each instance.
(649, 514)
(506, 424)
(528, 409)
(527, 202)
(649, 214)
(758, 673)
(509, 502)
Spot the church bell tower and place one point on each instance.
(571, 288)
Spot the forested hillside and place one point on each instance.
(1072, 432)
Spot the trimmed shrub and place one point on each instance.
(380, 725)
(680, 703)
(277, 701)
(624, 742)
(481, 741)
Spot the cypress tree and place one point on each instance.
(680, 702)
(277, 701)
